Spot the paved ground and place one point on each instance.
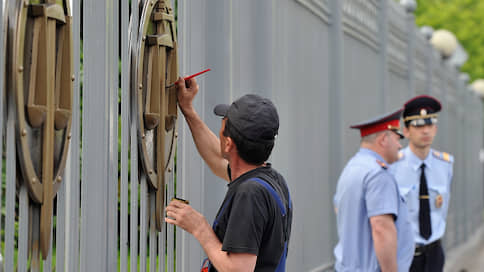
(468, 257)
(476, 263)
(473, 262)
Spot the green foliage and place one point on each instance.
(464, 19)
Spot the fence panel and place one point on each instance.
(355, 56)
(399, 68)
(325, 63)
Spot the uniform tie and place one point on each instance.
(424, 211)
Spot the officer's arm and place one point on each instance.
(384, 235)
(207, 143)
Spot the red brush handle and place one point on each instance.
(197, 74)
(188, 77)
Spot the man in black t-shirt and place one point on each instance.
(252, 227)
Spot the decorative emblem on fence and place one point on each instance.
(40, 79)
(155, 67)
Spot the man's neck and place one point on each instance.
(373, 148)
(238, 167)
(420, 152)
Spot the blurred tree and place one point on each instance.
(465, 19)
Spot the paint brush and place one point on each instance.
(188, 77)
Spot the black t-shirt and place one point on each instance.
(251, 221)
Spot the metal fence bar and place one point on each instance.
(61, 228)
(134, 154)
(113, 92)
(23, 229)
(412, 36)
(3, 25)
(10, 186)
(182, 261)
(134, 199)
(125, 104)
(72, 173)
(336, 84)
(143, 222)
(152, 232)
(47, 263)
(383, 56)
(162, 245)
(96, 190)
(170, 239)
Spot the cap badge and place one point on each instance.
(438, 201)
(423, 112)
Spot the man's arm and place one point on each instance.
(384, 235)
(184, 216)
(207, 143)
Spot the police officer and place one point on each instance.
(424, 176)
(373, 229)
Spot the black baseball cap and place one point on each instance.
(253, 117)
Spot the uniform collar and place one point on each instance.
(372, 153)
(415, 162)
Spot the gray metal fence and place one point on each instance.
(325, 64)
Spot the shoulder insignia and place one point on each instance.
(400, 155)
(382, 164)
(444, 156)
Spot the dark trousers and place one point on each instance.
(429, 260)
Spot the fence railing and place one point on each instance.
(325, 64)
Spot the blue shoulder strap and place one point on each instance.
(281, 266)
(274, 194)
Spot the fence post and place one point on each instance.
(411, 32)
(3, 20)
(73, 170)
(99, 180)
(335, 96)
(383, 28)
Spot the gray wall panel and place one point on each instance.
(398, 90)
(361, 94)
(283, 51)
(326, 64)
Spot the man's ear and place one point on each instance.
(229, 145)
(381, 138)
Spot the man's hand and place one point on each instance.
(185, 217)
(186, 92)
(207, 143)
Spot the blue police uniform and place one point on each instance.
(425, 185)
(365, 189)
(438, 172)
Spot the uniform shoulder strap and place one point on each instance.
(382, 164)
(444, 156)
